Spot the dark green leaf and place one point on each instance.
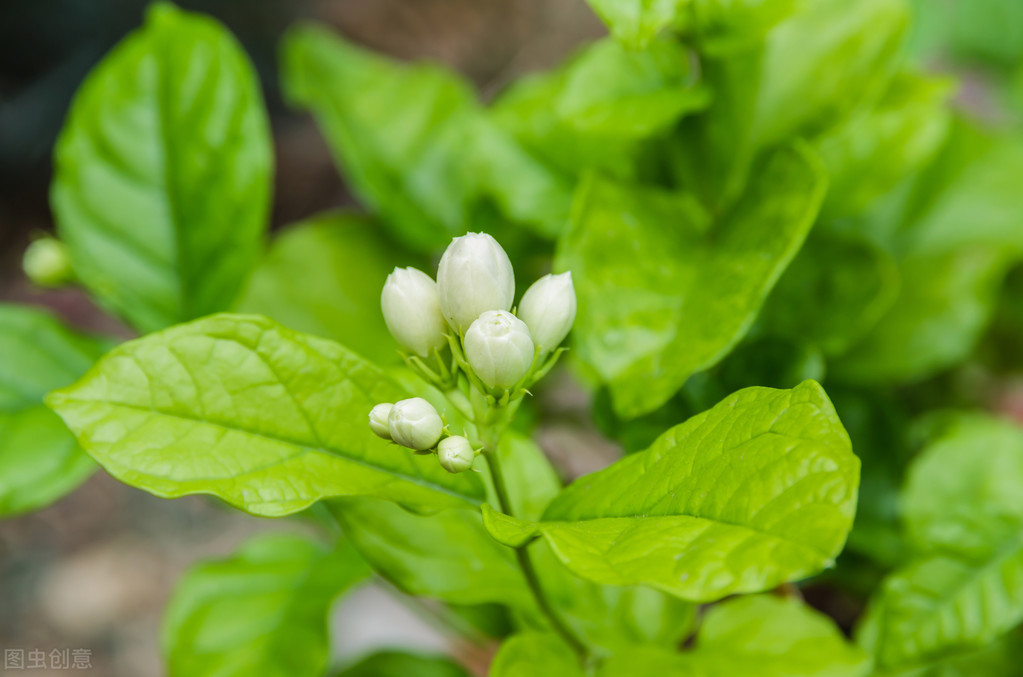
(268, 419)
(163, 169)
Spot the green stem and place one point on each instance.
(525, 560)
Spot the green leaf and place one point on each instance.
(39, 460)
(974, 468)
(595, 110)
(262, 611)
(637, 22)
(774, 637)
(535, 654)
(447, 555)
(836, 289)
(163, 171)
(950, 272)
(646, 328)
(506, 529)
(413, 142)
(867, 154)
(954, 601)
(723, 26)
(266, 418)
(829, 59)
(400, 664)
(670, 517)
(323, 277)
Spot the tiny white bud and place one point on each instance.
(46, 263)
(548, 309)
(378, 420)
(412, 311)
(415, 424)
(474, 276)
(455, 454)
(499, 348)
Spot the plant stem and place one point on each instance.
(525, 560)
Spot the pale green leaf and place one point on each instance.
(266, 418)
(163, 172)
(262, 611)
(659, 299)
(637, 22)
(757, 491)
(39, 459)
(323, 277)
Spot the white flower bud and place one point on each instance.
(548, 309)
(455, 454)
(415, 424)
(378, 420)
(499, 348)
(412, 311)
(47, 264)
(474, 276)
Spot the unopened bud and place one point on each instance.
(474, 276)
(548, 309)
(47, 264)
(499, 349)
(378, 420)
(415, 424)
(455, 454)
(412, 311)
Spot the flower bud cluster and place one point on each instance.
(469, 310)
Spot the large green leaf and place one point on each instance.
(400, 664)
(323, 277)
(39, 459)
(447, 555)
(163, 172)
(266, 418)
(759, 490)
(413, 142)
(262, 611)
(659, 298)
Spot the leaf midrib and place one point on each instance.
(61, 399)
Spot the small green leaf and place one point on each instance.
(597, 109)
(637, 22)
(506, 529)
(163, 172)
(39, 459)
(657, 304)
(535, 654)
(323, 277)
(262, 611)
(446, 555)
(671, 517)
(268, 419)
(727, 26)
(400, 664)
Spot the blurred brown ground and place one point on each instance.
(94, 570)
